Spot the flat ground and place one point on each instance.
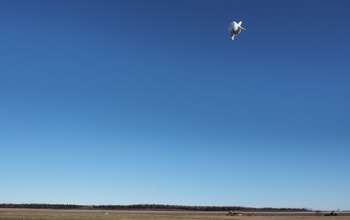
(50, 214)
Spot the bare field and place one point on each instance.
(47, 214)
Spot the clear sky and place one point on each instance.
(133, 101)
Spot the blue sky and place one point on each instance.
(128, 102)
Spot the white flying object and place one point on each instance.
(235, 28)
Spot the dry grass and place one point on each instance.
(73, 215)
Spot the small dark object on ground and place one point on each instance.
(231, 213)
(331, 214)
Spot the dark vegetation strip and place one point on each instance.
(154, 207)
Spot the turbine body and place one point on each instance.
(235, 28)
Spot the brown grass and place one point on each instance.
(144, 215)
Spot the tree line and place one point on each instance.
(148, 207)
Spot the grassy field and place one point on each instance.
(138, 215)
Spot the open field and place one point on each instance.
(46, 214)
